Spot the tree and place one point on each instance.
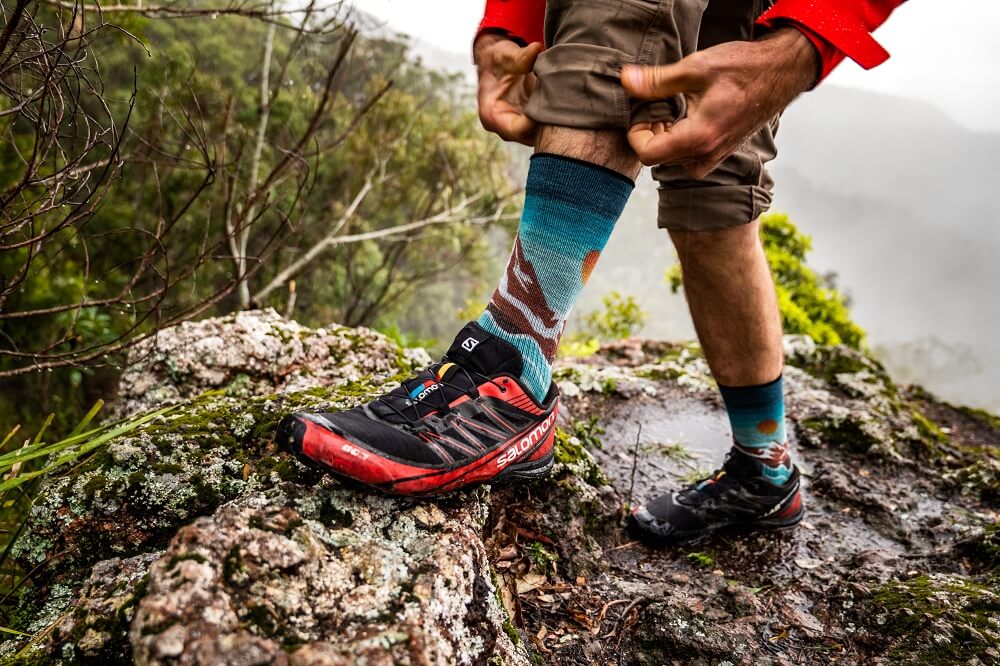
(203, 165)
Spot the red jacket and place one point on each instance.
(837, 28)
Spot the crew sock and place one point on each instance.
(757, 416)
(570, 210)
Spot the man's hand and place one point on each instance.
(731, 90)
(505, 83)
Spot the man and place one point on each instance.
(694, 87)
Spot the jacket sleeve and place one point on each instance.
(837, 28)
(522, 20)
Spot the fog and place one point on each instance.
(900, 200)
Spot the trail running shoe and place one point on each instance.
(463, 421)
(734, 498)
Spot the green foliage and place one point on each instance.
(23, 467)
(188, 153)
(588, 432)
(700, 559)
(404, 339)
(810, 304)
(620, 318)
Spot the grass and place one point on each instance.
(22, 468)
(672, 450)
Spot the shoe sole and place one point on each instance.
(288, 437)
(691, 538)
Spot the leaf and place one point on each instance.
(808, 563)
(529, 582)
(7, 630)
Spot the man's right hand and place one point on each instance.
(505, 84)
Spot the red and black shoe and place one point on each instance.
(463, 421)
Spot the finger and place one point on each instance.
(510, 123)
(513, 59)
(681, 142)
(664, 81)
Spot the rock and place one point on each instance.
(193, 540)
(253, 353)
(96, 625)
(325, 575)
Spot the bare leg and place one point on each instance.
(733, 304)
(606, 148)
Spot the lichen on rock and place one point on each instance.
(325, 571)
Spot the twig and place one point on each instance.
(628, 609)
(635, 462)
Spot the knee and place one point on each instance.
(606, 148)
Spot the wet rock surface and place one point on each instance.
(193, 540)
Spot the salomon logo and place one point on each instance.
(526, 442)
(469, 344)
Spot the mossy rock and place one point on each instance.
(936, 619)
(132, 495)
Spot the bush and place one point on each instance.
(810, 304)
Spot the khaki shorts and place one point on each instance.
(579, 86)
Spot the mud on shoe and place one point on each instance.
(463, 421)
(735, 498)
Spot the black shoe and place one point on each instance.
(466, 420)
(734, 498)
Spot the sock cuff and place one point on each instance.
(579, 184)
(752, 396)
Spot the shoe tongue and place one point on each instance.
(479, 351)
(431, 390)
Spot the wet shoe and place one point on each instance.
(463, 421)
(734, 498)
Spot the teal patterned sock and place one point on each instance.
(570, 210)
(757, 416)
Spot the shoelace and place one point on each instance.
(711, 486)
(437, 400)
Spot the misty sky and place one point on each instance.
(943, 53)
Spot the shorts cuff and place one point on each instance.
(579, 85)
(711, 208)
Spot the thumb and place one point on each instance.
(518, 60)
(663, 81)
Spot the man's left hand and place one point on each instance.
(732, 90)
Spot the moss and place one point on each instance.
(935, 619)
(700, 559)
(330, 514)
(927, 428)
(182, 557)
(571, 452)
(981, 478)
(508, 626)
(847, 433)
(96, 483)
(541, 556)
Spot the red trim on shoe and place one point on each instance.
(511, 393)
(365, 465)
(793, 507)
